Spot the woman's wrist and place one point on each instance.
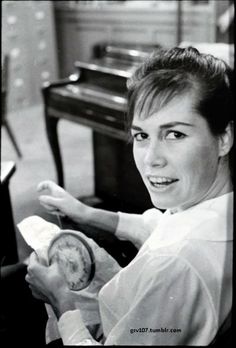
(79, 212)
(103, 219)
(89, 215)
(62, 302)
(94, 217)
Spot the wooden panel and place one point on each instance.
(85, 34)
(134, 34)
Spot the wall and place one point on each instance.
(80, 27)
(28, 37)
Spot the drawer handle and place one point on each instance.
(90, 112)
(110, 118)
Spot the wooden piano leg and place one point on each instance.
(52, 135)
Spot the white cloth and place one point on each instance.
(177, 290)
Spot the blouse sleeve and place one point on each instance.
(170, 307)
(137, 227)
(73, 330)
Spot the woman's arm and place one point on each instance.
(126, 226)
(56, 200)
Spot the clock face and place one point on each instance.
(74, 257)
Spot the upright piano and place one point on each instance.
(96, 96)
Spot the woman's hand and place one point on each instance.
(57, 200)
(48, 285)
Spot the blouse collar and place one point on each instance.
(210, 220)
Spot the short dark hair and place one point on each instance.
(172, 72)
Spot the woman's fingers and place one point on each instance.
(49, 207)
(50, 202)
(56, 200)
(45, 185)
(52, 188)
(42, 256)
(36, 269)
(53, 210)
(33, 260)
(33, 269)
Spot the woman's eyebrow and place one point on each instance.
(166, 125)
(173, 124)
(136, 128)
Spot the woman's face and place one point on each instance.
(176, 155)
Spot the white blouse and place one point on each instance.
(178, 288)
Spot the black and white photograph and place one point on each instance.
(117, 151)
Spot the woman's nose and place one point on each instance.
(155, 155)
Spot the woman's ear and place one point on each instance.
(226, 139)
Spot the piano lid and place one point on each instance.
(108, 66)
(124, 51)
(93, 94)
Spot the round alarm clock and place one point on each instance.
(74, 257)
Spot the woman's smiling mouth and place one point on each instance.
(160, 182)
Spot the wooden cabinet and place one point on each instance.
(80, 26)
(28, 37)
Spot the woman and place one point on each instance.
(178, 288)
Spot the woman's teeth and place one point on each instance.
(160, 181)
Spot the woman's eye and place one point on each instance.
(140, 136)
(175, 135)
